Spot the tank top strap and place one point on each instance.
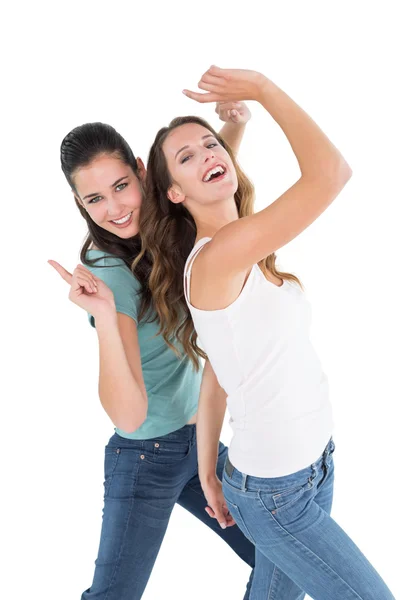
(189, 264)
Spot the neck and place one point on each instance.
(212, 218)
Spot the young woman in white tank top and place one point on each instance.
(253, 325)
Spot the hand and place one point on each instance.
(233, 112)
(87, 291)
(217, 508)
(224, 85)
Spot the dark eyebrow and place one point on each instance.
(111, 186)
(203, 138)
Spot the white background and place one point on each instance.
(125, 64)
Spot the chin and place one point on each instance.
(127, 233)
(130, 232)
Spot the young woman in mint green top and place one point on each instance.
(172, 385)
(149, 393)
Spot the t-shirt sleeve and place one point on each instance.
(125, 287)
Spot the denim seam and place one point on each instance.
(271, 590)
(117, 452)
(303, 546)
(118, 562)
(246, 531)
(194, 490)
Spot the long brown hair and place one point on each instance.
(168, 233)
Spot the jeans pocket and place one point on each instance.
(111, 457)
(237, 515)
(285, 498)
(167, 453)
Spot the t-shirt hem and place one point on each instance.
(156, 431)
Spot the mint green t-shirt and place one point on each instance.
(172, 384)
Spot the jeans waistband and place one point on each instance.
(230, 469)
(185, 434)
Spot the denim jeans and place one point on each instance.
(144, 479)
(288, 520)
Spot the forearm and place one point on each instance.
(210, 418)
(316, 154)
(232, 134)
(122, 397)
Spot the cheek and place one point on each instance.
(97, 212)
(133, 197)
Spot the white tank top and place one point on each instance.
(261, 353)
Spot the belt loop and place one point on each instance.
(244, 480)
(314, 473)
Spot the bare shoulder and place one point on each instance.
(213, 288)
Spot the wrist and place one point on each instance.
(207, 478)
(106, 320)
(239, 125)
(264, 86)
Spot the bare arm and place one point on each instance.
(236, 115)
(121, 386)
(324, 172)
(210, 418)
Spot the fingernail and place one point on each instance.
(223, 525)
(234, 113)
(184, 92)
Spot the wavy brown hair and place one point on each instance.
(168, 233)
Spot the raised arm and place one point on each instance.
(324, 172)
(235, 115)
(121, 386)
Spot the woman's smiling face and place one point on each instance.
(201, 169)
(111, 194)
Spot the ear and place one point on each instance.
(141, 169)
(176, 195)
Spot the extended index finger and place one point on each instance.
(66, 275)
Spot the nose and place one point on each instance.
(209, 154)
(114, 207)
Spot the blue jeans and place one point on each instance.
(144, 479)
(287, 518)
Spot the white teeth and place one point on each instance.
(123, 220)
(217, 170)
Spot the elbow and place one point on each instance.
(344, 172)
(126, 416)
(131, 424)
(339, 174)
(333, 177)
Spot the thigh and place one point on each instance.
(291, 530)
(139, 495)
